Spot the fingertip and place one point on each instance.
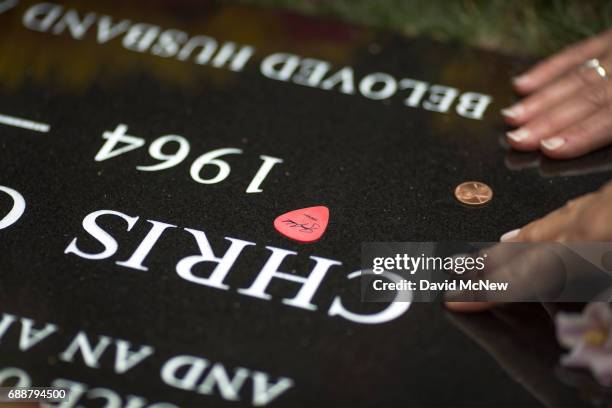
(553, 143)
(556, 148)
(516, 115)
(511, 117)
(523, 84)
(519, 135)
(510, 235)
(521, 139)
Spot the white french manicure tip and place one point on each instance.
(518, 135)
(520, 80)
(553, 143)
(514, 110)
(509, 235)
(509, 113)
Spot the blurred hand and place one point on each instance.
(585, 219)
(568, 110)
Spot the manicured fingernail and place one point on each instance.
(518, 135)
(521, 80)
(509, 113)
(513, 111)
(509, 235)
(553, 143)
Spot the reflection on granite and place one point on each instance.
(599, 161)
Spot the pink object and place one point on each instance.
(588, 335)
(304, 225)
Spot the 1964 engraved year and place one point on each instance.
(119, 142)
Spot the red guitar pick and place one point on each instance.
(304, 225)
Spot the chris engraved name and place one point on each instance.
(406, 285)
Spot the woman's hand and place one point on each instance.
(568, 110)
(587, 218)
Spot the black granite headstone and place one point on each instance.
(154, 143)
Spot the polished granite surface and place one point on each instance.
(384, 169)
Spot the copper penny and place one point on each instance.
(473, 193)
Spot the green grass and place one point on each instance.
(511, 26)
